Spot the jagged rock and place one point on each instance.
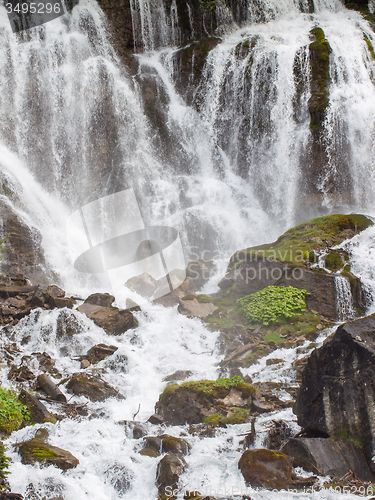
(175, 445)
(100, 299)
(21, 374)
(39, 413)
(195, 402)
(328, 457)
(114, 321)
(266, 469)
(98, 353)
(144, 285)
(38, 450)
(338, 388)
(168, 472)
(192, 307)
(92, 387)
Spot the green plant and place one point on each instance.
(273, 304)
(208, 5)
(12, 411)
(4, 465)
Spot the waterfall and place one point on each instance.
(344, 299)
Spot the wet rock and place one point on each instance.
(113, 320)
(338, 388)
(46, 363)
(178, 376)
(100, 299)
(192, 307)
(7, 495)
(39, 451)
(21, 374)
(39, 413)
(98, 353)
(67, 324)
(85, 364)
(266, 469)
(155, 419)
(144, 285)
(328, 457)
(168, 472)
(119, 477)
(139, 431)
(152, 446)
(175, 445)
(92, 387)
(204, 401)
(50, 388)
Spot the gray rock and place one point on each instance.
(193, 308)
(92, 387)
(328, 457)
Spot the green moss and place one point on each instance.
(273, 304)
(369, 45)
(4, 465)
(43, 453)
(12, 411)
(333, 261)
(212, 419)
(297, 244)
(203, 298)
(149, 452)
(170, 389)
(236, 416)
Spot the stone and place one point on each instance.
(92, 387)
(50, 388)
(191, 307)
(144, 285)
(100, 299)
(168, 472)
(99, 352)
(278, 434)
(202, 401)
(21, 374)
(266, 469)
(113, 320)
(85, 364)
(155, 419)
(175, 445)
(39, 413)
(338, 387)
(38, 451)
(68, 324)
(151, 446)
(328, 457)
(178, 376)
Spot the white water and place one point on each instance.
(344, 299)
(65, 99)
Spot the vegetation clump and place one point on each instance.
(273, 304)
(12, 411)
(4, 465)
(213, 388)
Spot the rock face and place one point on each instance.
(193, 307)
(338, 390)
(39, 451)
(205, 401)
(328, 457)
(94, 388)
(289, 262)
(113, 320)
(266, 469)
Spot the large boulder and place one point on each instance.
(224, 401)
(113, 320)
(92, 387)
(266, 469)
(328, 457)
(168, 472)
(39, 451)
(337, 392)
(290, 261)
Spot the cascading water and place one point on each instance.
(344, 299)
(74, 127)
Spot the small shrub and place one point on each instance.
(273, 304)
(12, 411)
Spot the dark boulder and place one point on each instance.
(113, 320)
(92, 387)
(338, 387)
(38, 450)
(168, 472)
(206, 401)
(328, 457)
(50, 388)
(100, 299)
(39, 413)
(266, 469)
(98, 353)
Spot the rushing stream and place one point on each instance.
(73, 128)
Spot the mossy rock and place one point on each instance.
(92, 387)
(39, 451)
